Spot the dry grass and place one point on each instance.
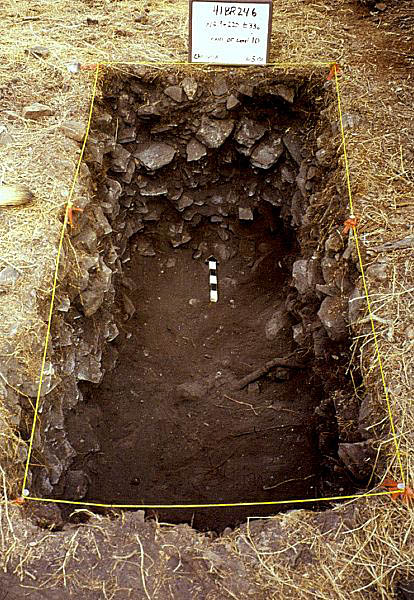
(366, 560)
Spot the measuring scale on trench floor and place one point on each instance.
(212, 274)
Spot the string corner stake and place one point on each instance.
(212, 266)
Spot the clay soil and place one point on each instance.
(173, 428)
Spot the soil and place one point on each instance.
(208, 443)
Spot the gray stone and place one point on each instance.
(300, 276)
(190, 87)
(378, 271)
(37, 110)
(334, 243)
(155, 155)
(299, 334)
(195, 150)
(249, 132)
(175, 92)
(93, 297)
(279, 322)
(213, 133)
(267, 153)
(38, 51)
(331, 315)
(95, 150)
(293, 146)
(49, 381)
(232, 102)
(127, 134)
(357, 457)
(102, 220)
(76, 485)
(8, 278)
(73, 130)
(323, 157)
(129, 306)
(245, 213)
(283, 91)
(191, 390)
(154, 188)
(120, 159)
(184, 202)
(287, 175)
(129, 173)
(147, 111)
(356, 304)
(219, 87)
(246, 89)
(6, 139)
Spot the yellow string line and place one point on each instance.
(327, 63)
(222, 504)
(233, 504)
(55, 279)
(374, 333)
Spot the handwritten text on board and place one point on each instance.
(230, 33)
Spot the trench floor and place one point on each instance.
(208, 444)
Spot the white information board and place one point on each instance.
(235, 33)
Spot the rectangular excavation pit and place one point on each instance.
(190, 164)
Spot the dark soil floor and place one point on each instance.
(174, 430)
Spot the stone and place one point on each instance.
(246, 89)
(175, 92)
(245, 213)
(73, 130)
(249, 132)
(37, 110)
(331, 315)
(357, 457)
(267, 153)
(334, 243)
(95, 150)
(232, 102)
(101, 220)
(287, 175)
(195, 150)
(129, 173)
(285, 92)
(76, 485)
(213, 133)
(148, 111)
(300, 276)
(49, 381)
(191, 390)
(356, 305)
(219, 87)
(154, 188)
(155, 155)
(38, 51)
(190, 87)
(6, 139)
(278, 323)
(323, 157)
(299, 334)
(129, 306)
(184, 202)
(98, 285)
(127, 134)
(293, 147)
(253, 389)
(378, 271)
(120, 159)
(8, 278)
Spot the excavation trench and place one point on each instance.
(182, 400)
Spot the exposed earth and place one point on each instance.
(175, 428)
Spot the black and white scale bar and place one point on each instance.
(212, 267)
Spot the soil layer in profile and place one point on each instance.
(174, 430)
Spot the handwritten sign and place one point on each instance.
(230, 33)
